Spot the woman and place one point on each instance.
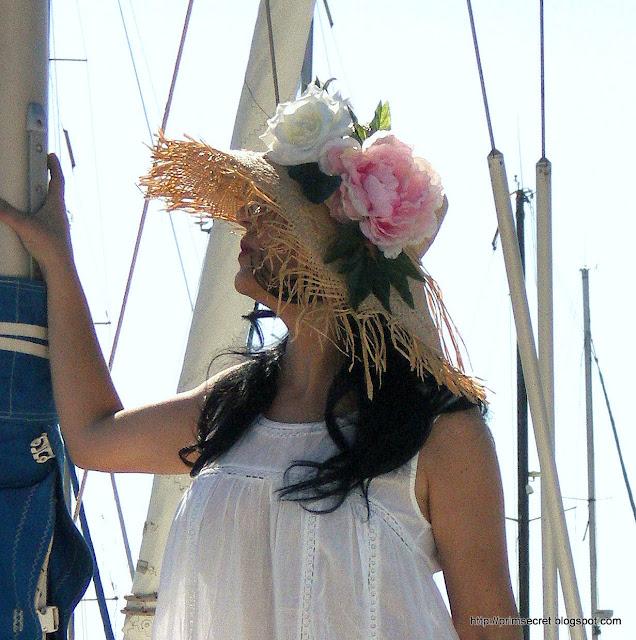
(334, 555)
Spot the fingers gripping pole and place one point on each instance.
(536, 399)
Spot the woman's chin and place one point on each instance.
(245, 284)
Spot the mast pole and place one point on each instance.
(589, 420)
(546, 346)
(24, 51)
(536, 398)
(546, 367)
(523, 517)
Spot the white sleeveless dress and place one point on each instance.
(242, 565)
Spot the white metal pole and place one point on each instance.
(546, 369)
(589, 422)
(24, 54)
(536, 400)
(24, 66)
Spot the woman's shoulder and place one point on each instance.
(224, 373)
(453, 443)
(463, 429)
(466, 505)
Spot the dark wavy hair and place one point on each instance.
(389, 430)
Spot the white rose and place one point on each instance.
(300, 128)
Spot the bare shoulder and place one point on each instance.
(205, 387)
(465, 499)
(453, 435)
(459, 461)
(454, 431)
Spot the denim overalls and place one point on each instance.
(36, 530)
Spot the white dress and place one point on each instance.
(242, 565)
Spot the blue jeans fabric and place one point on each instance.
(32, 506)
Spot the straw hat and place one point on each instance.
(197, 178)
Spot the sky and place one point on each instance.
(419, 56)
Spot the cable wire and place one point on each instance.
(136, 250)
(616, 440)
(272, 54)
(481, 74)
(542, 81)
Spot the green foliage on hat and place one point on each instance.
(367, 270)
(381, 122)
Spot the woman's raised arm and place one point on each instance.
(99, 432)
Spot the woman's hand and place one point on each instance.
(45, 234)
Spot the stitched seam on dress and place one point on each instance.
(399, 531)
(373, 596)
(284, 432)
(279, 432)
(234, 471)
(390, 521)
(191, 596)
(308, 573)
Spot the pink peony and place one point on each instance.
(393, 194)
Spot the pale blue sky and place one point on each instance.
(418, 55)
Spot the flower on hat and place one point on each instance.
(392, 195)
(383, 196)
(299, 128)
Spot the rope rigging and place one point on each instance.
(481, 74)
(164, 122)
(614, 431)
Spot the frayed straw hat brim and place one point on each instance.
(190, 175)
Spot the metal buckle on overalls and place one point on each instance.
(49, 619)
(41, 449)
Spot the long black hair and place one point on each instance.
(389, 430)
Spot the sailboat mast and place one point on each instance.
(589, 419)
(523, 517)
(24, 51)
(545, 326)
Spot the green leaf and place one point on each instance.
(381, 119)
(345, 242)
(316, 185)
(355, 284)
(339, 248)
(361, 132)
(349, 262)
(398, 280)
(381, 286)
(403, 262)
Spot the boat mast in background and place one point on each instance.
(539, 403)
(589, 421)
